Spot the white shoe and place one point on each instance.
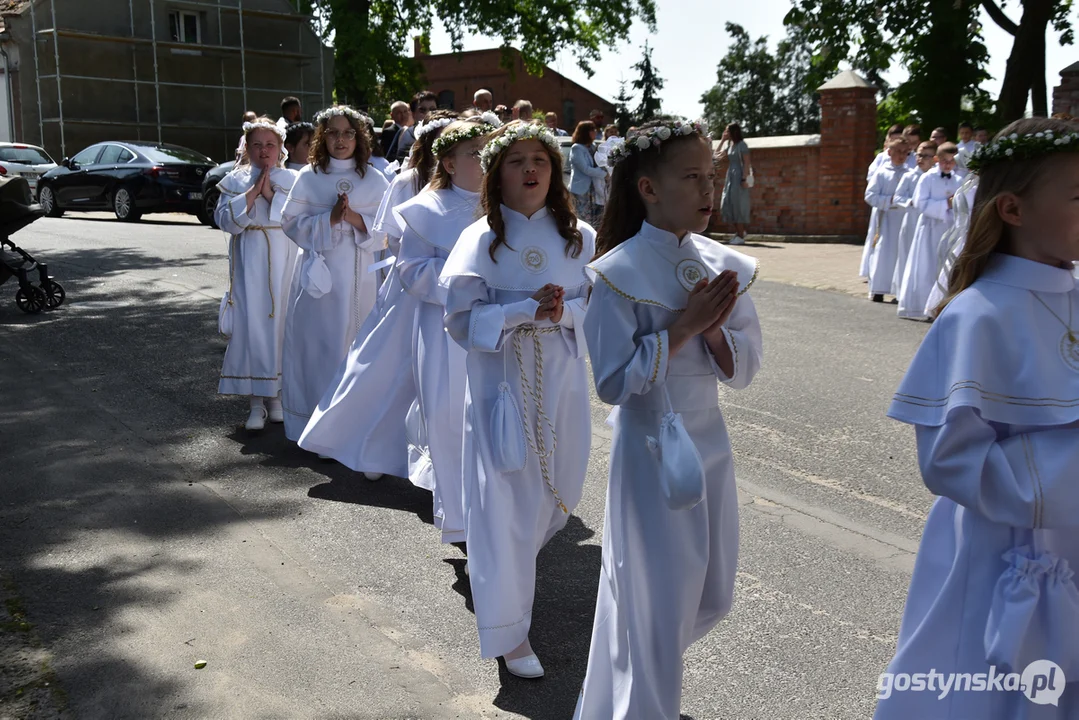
(257, 419)
(527, 667)
(738, 240)
(372, 476)
(466, 568)
(277, 413)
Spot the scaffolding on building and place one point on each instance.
(157, 44)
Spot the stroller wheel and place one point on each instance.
(31, 299)
(54, 294)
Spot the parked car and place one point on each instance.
(129, 178)
(28, 161)
(210, 193)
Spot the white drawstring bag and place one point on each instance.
(750, 181)
(681, 470)
(508, 447)
(225, 315)
(315, 279)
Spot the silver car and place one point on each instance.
(28, 161)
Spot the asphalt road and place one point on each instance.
(142, 528)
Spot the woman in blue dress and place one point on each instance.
(735, 203)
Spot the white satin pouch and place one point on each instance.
(225, 316)
(315, 279)
(681, 470)
(508, 448)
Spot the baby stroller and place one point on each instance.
(17, 210)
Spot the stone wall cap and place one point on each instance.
(779, 141)
(846, 80)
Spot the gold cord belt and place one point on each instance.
(538, 445)
(265, 230)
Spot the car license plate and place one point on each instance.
(31, 176)
(194, 196)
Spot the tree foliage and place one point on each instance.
(940, 44)
(622, 116)
(648, 84)
(765, 93)
(372, 37)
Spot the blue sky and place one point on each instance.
(690, 41)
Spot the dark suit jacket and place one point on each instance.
(388, 138)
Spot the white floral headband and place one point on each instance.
(1022, 147)
(524, 131)
(263, 125)
(433, 125)
(339, 110)
(492, 119)
(653, 137)
(448, 140)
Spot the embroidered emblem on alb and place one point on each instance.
(534, 260)
(690, 272)
(344, 186)
(1069, 350)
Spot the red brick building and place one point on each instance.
(815, 184)
(456, 77)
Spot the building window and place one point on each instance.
(185, 27)
(569, 115)
(446, 99)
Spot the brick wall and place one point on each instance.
(814, 185)
(465, 73)
(1066, 94)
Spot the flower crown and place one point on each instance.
(653, 137)
(524, 131)
(1021, 147)
(492, 119)
(448, 140)
(338, 110)
(263, 125)
(433, 125)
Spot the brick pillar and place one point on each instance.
(848, 144)
(1066, 94)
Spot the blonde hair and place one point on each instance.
(441, 179)
(988, 232)
(245, 159)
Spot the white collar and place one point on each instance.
(665, 237)
(338, 165)
(511, 214)
(1019, 272)
(467, 195)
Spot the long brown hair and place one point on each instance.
(422, 158)
(442, 180)
(320, 156)
(624, 212)
(581, 132)
(988, 232)
(558, 203)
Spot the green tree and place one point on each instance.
(941, 45)
(370, 36)
(648, 83)
(622, 116)
(765, 93)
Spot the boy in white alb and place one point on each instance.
(895, 132)
(925, 157)
(881, 196)
(933, 199)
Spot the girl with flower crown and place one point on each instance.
(993, 395)
(432, 222)
(515, 300)
(261, 261)
(668, 321)
(328, 214)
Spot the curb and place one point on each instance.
(795, 239)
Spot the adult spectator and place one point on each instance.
(552, 124)
(249, 117)
(522, 110)
(597, 119)
(291, 112)
(504, 113)
(483, 100)
(735, 203)
(402, 118)
(423, 102)
(583, 170)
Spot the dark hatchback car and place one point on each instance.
(210, 193)
(129, 178)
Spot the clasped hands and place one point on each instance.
(710, 306)
(343, 211)
(263, 186)
(552, 301)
